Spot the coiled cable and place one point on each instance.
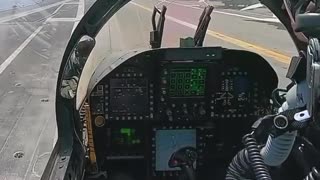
(258, 166)
(239, 168)
(313, 175)
(248, 163)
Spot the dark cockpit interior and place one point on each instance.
(163, 110)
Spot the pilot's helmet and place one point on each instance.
(84, 47)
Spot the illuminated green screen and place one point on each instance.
(126, 136)
(186, 82)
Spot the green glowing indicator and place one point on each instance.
(128, 136)
(187, 82)
(126, 131)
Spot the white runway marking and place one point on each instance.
(8, 61)
(63, 20)
(80, 14)
(18, 15)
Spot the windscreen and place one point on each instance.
(130, 28)
(233, 25)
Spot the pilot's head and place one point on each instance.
(84, 47)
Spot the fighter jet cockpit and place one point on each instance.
(164, 101)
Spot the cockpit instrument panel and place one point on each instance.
(162, 100)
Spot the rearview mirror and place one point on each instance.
(74, 65)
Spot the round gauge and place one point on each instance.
(99, 121)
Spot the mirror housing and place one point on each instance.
(309, 24)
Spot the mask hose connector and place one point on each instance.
(277, 149)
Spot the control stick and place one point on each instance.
(184, 159)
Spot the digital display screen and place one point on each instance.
(185, 82)
(125, 140)
(126, 136)
(234, 96)
(129, 96)
(170, 141)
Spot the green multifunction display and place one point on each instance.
(126, 136)
(187, 82)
